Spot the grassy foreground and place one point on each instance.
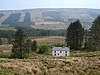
(78, 63)
(48, 65)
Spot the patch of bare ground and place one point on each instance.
(5, 49)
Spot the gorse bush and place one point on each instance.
(43, 49)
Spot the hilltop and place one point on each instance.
(48, 18)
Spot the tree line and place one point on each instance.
(29, 32)
(32, 32)
(23, 47)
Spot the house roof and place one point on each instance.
(60, 48)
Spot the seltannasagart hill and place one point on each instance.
(48, 18)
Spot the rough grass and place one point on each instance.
(51, 40)
(5, 51)
(51, 66)
(85, 53)
(6, 28)
(78, 63)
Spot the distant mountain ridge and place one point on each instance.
(48, 18)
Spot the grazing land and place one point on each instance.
(51, 40)
(48, 65)
(78, 63)
(7, 28)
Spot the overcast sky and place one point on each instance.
(29, 4)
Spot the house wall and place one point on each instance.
(60, 53)
(68, 53)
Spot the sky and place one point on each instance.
(31, 4)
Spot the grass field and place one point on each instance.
(48, 65)
(7, 28)
(78, 63)
(49, 25)
(50, 40)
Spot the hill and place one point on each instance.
(48, 19)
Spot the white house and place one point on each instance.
(60, 51)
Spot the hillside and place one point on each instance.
(49, 19)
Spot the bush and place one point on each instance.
(59, 45)
(43, 49)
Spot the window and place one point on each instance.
(55, 54)
(55, 51)
(66, 52)
(60, 51)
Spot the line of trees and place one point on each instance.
(23, 47)
(32, 32)
(78, 38)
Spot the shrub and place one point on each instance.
(59, 45)
(43, 49)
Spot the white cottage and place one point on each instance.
(60, 51)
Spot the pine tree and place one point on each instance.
(27, 48)
(94, 40)
(34, 46)
(0, 41)
(9, 40)
(18, 44)
(74, 35)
